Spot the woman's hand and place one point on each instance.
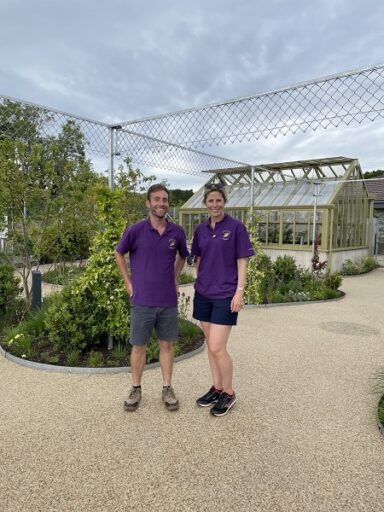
(237, 301)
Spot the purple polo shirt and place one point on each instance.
(152, 261)
(220, 248)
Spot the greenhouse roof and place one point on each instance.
(286, 184)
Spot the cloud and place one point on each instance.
(124, 60)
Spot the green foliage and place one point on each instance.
(95, 359)
(45, 189)
(285, 268)
(361, 266)
(74, 320)
(373, 174)
(333, 280)
(368, 263)
(186, 278)
(73, 357)
(119, 355)
(152, 351)
(179, 196)
(9, 286)
(257, 269)
(62, 275)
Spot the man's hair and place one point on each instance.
(155, 188)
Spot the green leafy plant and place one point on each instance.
(9, 286)
(285, 268)
(186, 278)
(119, 355)
(73, 357)
(333, 280)
(95, 359)
(153, 350)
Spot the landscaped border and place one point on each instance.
(294, 303)
(88, 370)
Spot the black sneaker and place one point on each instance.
(209, 398)
(224, 404)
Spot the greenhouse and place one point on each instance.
(296, 203)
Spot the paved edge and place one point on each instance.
(76, 369)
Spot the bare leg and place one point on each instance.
(166, 361)
(138, 354)
(222, 362)
(215, 370)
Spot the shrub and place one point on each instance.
(9, 286)
(333, 280)
(365, 264)
(62, 276)
(74, 321)
(119, 355)
(349, 268)
(95, 359)
(28, 337)
(368, 263)
(73, 357)
(285, 268)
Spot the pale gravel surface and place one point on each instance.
(303, 436)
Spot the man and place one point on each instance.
(155, 267)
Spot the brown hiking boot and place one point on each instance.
(133, 400)
(169, 398)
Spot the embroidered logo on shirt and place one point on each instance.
(226, 234)
(171, 243)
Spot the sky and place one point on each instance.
(125, 59)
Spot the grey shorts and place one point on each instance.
(145, 318)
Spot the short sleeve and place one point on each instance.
(126, 243)
(244, 247)
(183, 250)
(195, 249)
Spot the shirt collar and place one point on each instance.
(208, 221)
(167, 227)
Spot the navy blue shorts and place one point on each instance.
(215, 311)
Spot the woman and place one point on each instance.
(221, 247)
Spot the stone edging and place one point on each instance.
(301, 303)
(87, 370)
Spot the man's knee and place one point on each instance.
(138, 349)
(166, 346)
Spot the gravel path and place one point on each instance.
(302, 437)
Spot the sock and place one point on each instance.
(137, 387)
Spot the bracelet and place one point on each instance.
(241, 289)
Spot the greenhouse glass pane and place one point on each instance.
(273, 233)
(301, 234)
(261, 233)
(287, 233)
(288, 216)
(302, 216)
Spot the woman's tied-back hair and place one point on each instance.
(214, 187)
(155, 188)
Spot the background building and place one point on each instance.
(295, 203)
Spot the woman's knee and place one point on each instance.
(216, 349)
